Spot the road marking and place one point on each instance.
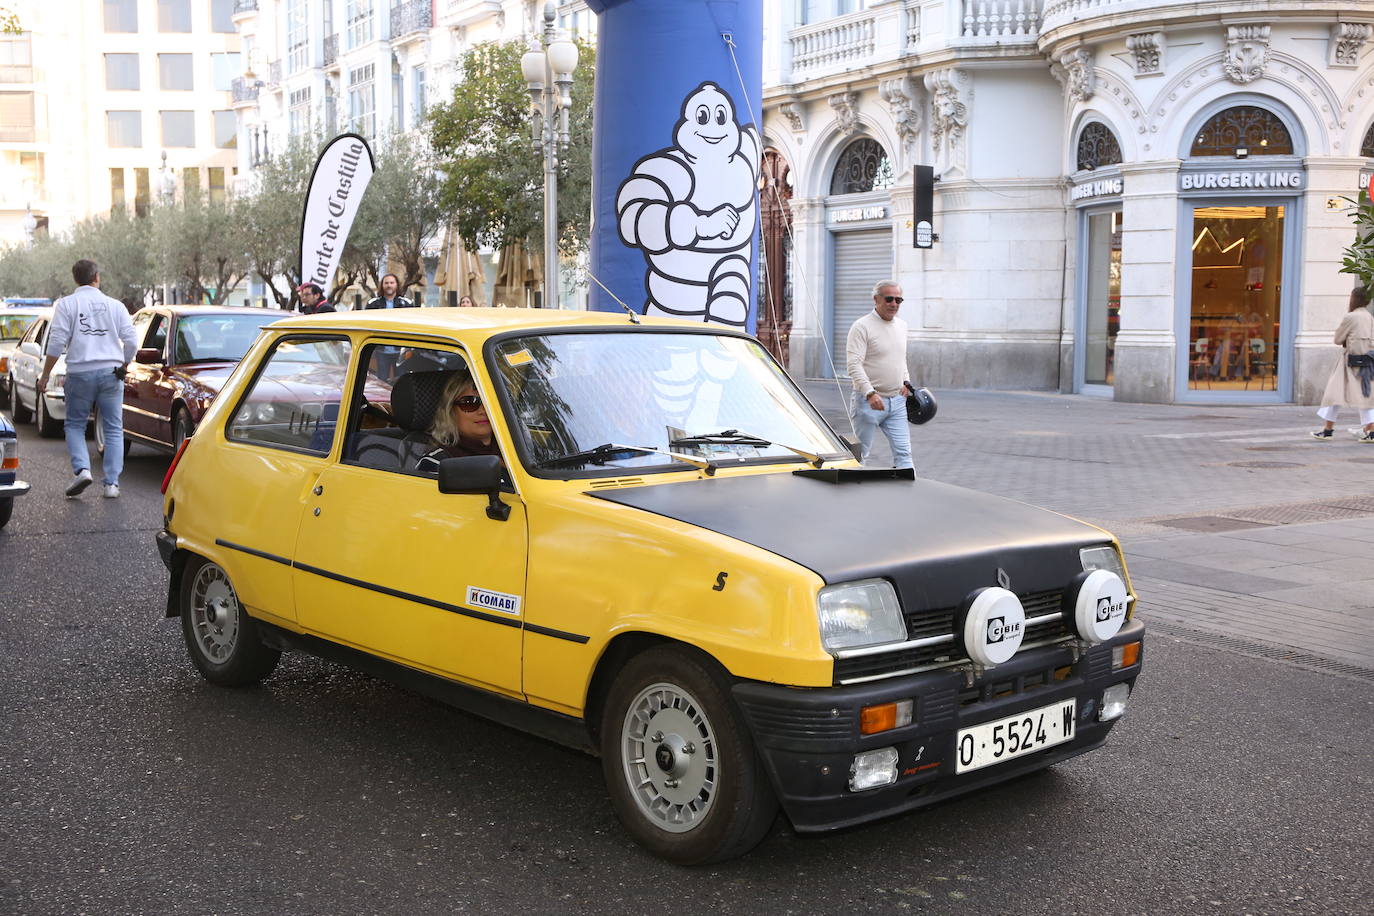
(1287, 431)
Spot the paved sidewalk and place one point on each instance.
(1237, 525)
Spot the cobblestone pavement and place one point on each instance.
(1237, 525)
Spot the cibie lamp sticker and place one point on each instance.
(994, 625)
(1100, 608)
(336, 189)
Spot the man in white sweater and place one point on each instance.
(96, 334)
(876, 360)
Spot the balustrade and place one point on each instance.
(411, 16)
(1001, 20)
(846, 41)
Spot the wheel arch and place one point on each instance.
(618, 652)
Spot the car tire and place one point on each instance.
(221, 637)
(48, 428)
(18, 411)
(6, 510)
(683, 775)
(182, 429)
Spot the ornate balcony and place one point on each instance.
(243, 90)
(842, 43)
(331, 50)
(411, 17)
(999, 21)
(245, 6)
(274, 73)
(1073, 20)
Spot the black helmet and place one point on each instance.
(921, 406)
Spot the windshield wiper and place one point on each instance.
(610, 450)
(735, 437)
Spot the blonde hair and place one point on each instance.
(443, 429)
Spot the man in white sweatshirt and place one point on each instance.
(96, 334)
(876, 359)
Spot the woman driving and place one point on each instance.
(461, 426)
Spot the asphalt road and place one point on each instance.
(128, 785)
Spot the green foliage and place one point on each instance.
(197, 244)
(1358, 257)
(118, 243)
(270, 218)
(9, 22)
(494, 183)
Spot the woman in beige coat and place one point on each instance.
(1345, 389)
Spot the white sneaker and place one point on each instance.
(79, 483)
(1356, 431)
(112, 491)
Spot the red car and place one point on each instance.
(185, 355)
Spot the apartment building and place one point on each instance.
(1143, 200)
(111, 103)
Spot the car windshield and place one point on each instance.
(718, 398)
(217, 337)
(12, 327)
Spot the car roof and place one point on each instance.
(214, 310)
(487, 322)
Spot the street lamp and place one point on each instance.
(548, 74)
(167, 182)
(30, 224)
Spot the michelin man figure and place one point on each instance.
(690, 208)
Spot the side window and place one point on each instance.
(157, 334)
(400, 417)
(293, 401)
(37, 333)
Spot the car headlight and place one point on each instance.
(862, 613)
(1104, 557)
(57, 383)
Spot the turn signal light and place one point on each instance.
(9, 464)
(884, 717)
(1126, 656)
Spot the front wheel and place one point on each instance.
(48, 427)
(220, 636)
(682, 771)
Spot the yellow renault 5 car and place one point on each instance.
(639, 538)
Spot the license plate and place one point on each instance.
(1015, 736)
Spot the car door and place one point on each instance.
(143, 379)
(26, 364)
(388, 564)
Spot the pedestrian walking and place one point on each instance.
(1350, 382)
(391, 297)
(95, 333)
(876, 359)
(312, 299)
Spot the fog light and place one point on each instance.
(874, 719)
(1114, 702)
(872, 769)
(1126, 656)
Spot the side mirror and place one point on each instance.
(30, 348)
(149, 356)
(476, 474)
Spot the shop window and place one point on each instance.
(863, 166)
(1245, 130)
(1097, 147)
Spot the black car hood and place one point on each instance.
(936, 542)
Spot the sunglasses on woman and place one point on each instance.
(467, 403)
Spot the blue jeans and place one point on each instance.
(891, 420)
(86, 390)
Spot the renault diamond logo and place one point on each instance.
(1003, 579)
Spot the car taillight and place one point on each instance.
(9, 454)
(4, 364)
(171, 468)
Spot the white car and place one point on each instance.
(49, 409)
(14, 321)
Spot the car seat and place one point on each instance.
(415, 397)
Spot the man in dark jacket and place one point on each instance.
(391, 297)
(312, 299)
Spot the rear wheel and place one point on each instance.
(48, 427)
(220, 636)
(182, 429)
(6, 510)
(681, 768)
(20, 413)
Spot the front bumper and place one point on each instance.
(808, 737)
(18, 488)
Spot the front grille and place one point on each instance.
(942, 622)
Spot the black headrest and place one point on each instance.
(415, 398)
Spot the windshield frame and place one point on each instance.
(518, 445)
(192, 318)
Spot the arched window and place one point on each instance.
(1097, 146)
(1367, 144)
(863, 166)
(1256, 130)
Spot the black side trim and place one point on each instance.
(430, 602)
(252, 552)
(407, 596)
(551, 726)
(556, 634)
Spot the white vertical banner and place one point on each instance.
(336, 188)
